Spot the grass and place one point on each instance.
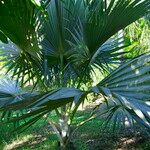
(88, 137)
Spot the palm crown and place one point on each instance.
(56, 46)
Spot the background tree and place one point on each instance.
(138, 34)
(54, 46)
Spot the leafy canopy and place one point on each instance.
(56, 45)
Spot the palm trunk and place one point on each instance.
(65, 142)
(63, 132)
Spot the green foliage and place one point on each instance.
(138, 35)
(40, 136)
(68, 41)
(54, 46)
(126, 91)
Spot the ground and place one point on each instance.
(89, 137)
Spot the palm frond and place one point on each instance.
(22, 66)
(17, 23)
(11, 93)
(22, 54)
(127, 90)
(105, 18)
(60, 22)
(95, 32)
(40, 104)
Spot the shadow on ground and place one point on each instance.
(89, 137)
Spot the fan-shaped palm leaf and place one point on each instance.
(127, 92)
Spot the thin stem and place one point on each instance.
(82, 123)
(87, 120)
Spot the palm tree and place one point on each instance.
(54, 46)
